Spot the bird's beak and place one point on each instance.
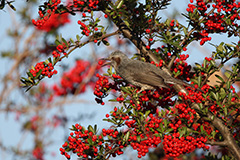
(105, 61)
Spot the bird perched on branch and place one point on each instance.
(141, 74)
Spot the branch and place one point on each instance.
(186, 37)
(229, 141)
(91, 39)
(213, 143)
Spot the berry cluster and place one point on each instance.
(143, 146)
(101, 88)
(148, 139)
(217, 22)
(208, 59)
(185, 112)
(174, 146)
(78, 146)
(50, 20)
(44, 70)
(80, 3)
(181, 67)
(60, 49)
(85, 29)
(148, 100)
(195, 97)
(87, 145)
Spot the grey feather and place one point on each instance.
(141, 74)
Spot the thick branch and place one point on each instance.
(213, 143)
(227, 135)
(229, 141)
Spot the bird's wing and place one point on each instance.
(150, 79)
(147, 73)
(142, 72)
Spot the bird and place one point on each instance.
(141, 74)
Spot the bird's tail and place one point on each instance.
(180, 82)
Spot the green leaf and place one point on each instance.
(120, 3)
(219, 77)
(110, 70)
(228, 73)
(72, 41)
(200, 105)
(90, 128)
(90, 141)
(225, 111)
(182, 131)
(83, 128)
(168, 21)
(161, 127)
(95, 128)
(169, 130)
(220, 47)
(177, 73)
(214, 95)
(217, 95)
(24, 79)
(212, 63)
(99, 42)
(222, 93)
(68, 149)
(57, 42)
(147, 113)
(65, 42)
(105, 42)
(91, 13)
(229, 96)
(111, 121)
(199, 81)
(73, 128)
(50, 60)
(30, 75)
(185, 30)
(28, 88)
(112, 100)
(11, 6)
(201, 128)
(126, 136)
(78, 37)
(38, 73)
(2, 4)
(165, 123)
(230, 45)
(125, 89)
(204, 63)
(139, 138)
(228, 84)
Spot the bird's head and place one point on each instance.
(115, 59)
